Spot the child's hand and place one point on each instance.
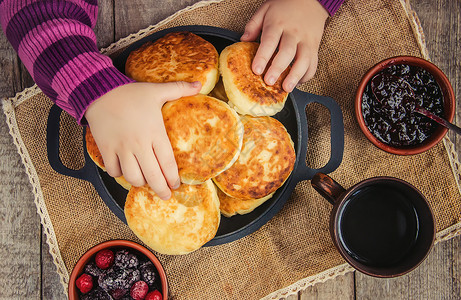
(127, 125)
(296, 28)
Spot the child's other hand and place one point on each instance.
(127, 125)
(296, 28)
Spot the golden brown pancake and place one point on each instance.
(247, 92)
(178, 56)
(230, 206)
(95, 155)
(93, 149)
(265, 162)
(180, 225)
(206, 136)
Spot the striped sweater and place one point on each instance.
(56, 43)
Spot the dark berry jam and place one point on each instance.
(391, 117)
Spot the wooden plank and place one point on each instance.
(51, 287)
(20, 227)
(26, 79)
(441, 22)
(438, 277)
(456, 266)
(104, 28)
(9, 77)
(132, 16)
(292, 297)
(339, 288)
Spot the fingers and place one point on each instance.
(282, 60)
(165, 157)
(254, 25)
(112, 164)
(303, 68)
(175, 90)
(298, 69)
(270, 38)
(312, 68)
(153, 174)
(130, 169)
(144, 168)
(156, 168)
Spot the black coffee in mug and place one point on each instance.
(382, 226)
(378, 225)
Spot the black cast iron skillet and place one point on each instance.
(293, 117)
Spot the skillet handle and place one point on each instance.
(52, 145)
(302, 99)
(88, 172)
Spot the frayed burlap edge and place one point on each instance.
(11, 103)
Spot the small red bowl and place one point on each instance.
(448, 100)
(78, 269)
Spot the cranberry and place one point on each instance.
(139, 290)
(155, 295)
(104, 259)
(84, 283)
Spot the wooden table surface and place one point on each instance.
(26, 267)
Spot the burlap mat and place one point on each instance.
(293, 250)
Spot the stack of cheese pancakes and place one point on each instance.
(231, 155)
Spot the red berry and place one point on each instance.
(155, 295)
(104, 259)
(139, 290)
(84, 283)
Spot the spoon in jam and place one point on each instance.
(405, 89)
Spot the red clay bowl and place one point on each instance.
(78, 269)
(448, 99)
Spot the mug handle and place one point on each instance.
(302, 99)
(327, 187)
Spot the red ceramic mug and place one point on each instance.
(382, 226)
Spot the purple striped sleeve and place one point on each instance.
(331, 5)
(56, 43)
